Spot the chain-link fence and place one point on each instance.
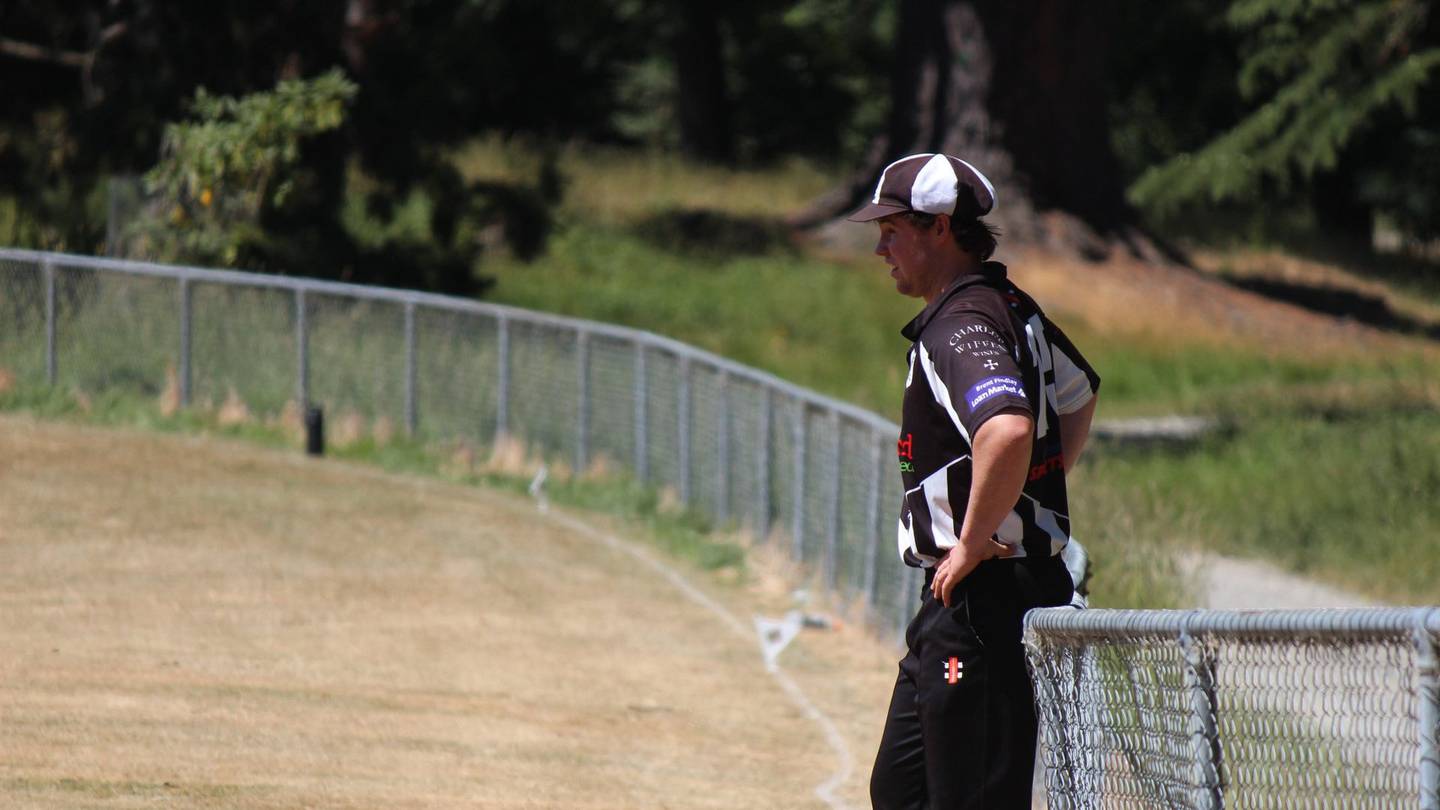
(1212, 709)
(740, 445)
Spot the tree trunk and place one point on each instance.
(702, 103)
(1016, 88)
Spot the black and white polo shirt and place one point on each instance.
(981, 347)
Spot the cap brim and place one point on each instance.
(875, 211)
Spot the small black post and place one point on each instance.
(315, 430)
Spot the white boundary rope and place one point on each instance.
(826, 789)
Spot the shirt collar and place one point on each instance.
(991, 272)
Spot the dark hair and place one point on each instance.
(974, 236)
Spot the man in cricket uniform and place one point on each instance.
(997, 408)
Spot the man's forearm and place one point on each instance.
(1000, 461)
(1075, 431)
(1000, 464)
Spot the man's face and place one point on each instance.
(911, 253)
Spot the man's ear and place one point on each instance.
(941, 225)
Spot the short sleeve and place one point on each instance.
(1075, 379)
(974, 372)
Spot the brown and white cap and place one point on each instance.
(931, 184)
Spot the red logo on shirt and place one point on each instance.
(906, 446)
(954, 670)
(1049, 465)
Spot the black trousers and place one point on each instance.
(960, 732)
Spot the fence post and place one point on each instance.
(722, 450)
(873, 531)
(1427, 661)
(185, 311)
(582, 418)
(502, 385)
(51, 367)
(762, 456)
(1204, 731)
(412, 419)
(833, 507)
(642, 419)
(302, 351)
(797, 492)
(682, 429)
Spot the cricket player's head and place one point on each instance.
(929, 209)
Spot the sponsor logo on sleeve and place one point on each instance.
(977, 340)
(991, 387)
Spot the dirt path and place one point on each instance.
(192, 622)
(1234, 584)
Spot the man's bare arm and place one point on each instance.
(1075, 431)
(1000, 464)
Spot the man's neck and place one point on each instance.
(968, 266)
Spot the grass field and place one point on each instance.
(1303, 395)
(195, 622)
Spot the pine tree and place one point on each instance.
(1335, 86)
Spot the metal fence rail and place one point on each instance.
(1212, 709)
(738, 444)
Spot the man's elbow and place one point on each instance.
(1008, 428)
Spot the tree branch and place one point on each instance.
(38, 53)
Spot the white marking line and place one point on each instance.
(825, 790)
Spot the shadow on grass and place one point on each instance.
(1345, 303)
(703, 231)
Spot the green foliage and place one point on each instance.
(1348, 497)
(219, 173)
(809, 77)
(802, 77)
(1322, 73)
(795, 327)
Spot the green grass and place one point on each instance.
(611, 185)
(824, 325)
(835, 327)
(1324, 449)
(1289, 484)
(1348, 498)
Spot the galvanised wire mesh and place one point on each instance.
(810, 474)
(858, 510)
(242, 347)
(545, 372)
(662, 420)
(816, 488)
(748, 452)
(114, 334)
(357, 357)
(1209, 709)
(708, 451)
(457, 366)
(786, 468)
(22, 322)
(611, 406)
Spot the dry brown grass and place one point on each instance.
(189, 622)
(1168, 305)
